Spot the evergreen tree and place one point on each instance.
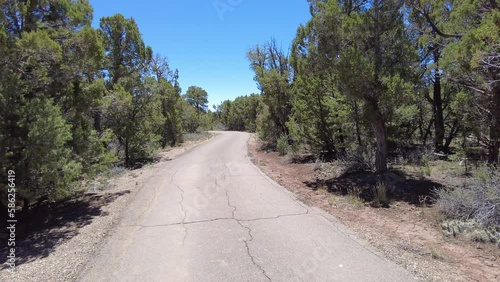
(170, 99)
(273, 75)
(472, 60)
(198, 98)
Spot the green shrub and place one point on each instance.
(425, 166)
(282, 145)
(268, 131)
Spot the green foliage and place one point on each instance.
(190, 118)
(267, 129)
(472, 61)
(50, 169)
(319, 114)
(171, 109)
(75, 100)
(195, 115)
(282, 145)
(126, 53)
(197, 97)
(273, 75)
(349, 52)
(135, 119)
(425, 167)
(207, 121)
(240, 114)
(170, 99)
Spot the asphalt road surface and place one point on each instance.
(211, 215)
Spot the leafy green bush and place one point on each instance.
(282, 145)
(51, 170)
(425, 168)
(266, 128)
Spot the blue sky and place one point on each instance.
(207, 40)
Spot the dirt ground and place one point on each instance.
(408, 232)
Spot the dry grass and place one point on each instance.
(380, 196)
(435, 254)
(332, 199)
(354, 197)
(197, 136)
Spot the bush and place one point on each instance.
(479, 200)
(471, 229)
(48, 168)
(266, 128)
(425, 168)
(294, 147)
(362, 159)
(282, 145)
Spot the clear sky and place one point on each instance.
(207, 40)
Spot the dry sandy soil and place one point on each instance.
(57, 247)
(406, 232)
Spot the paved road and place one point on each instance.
(211, 215)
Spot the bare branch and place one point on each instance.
(433, 25)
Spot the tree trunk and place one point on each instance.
(451, 135)
(173, 134)
(30, 20)
(439, 120)
(379, 129)
(326, 134)
(427, 131)
(97, 121)
(494, 127)
(372, 103)
(26, 205)
(356, 123)
(127, 157)
(438, 105)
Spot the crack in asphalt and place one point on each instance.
(240, 222)
(216, 219)
(245, 241)
(229, 205)
(248, 250)
(182, 207)
(273, 217)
